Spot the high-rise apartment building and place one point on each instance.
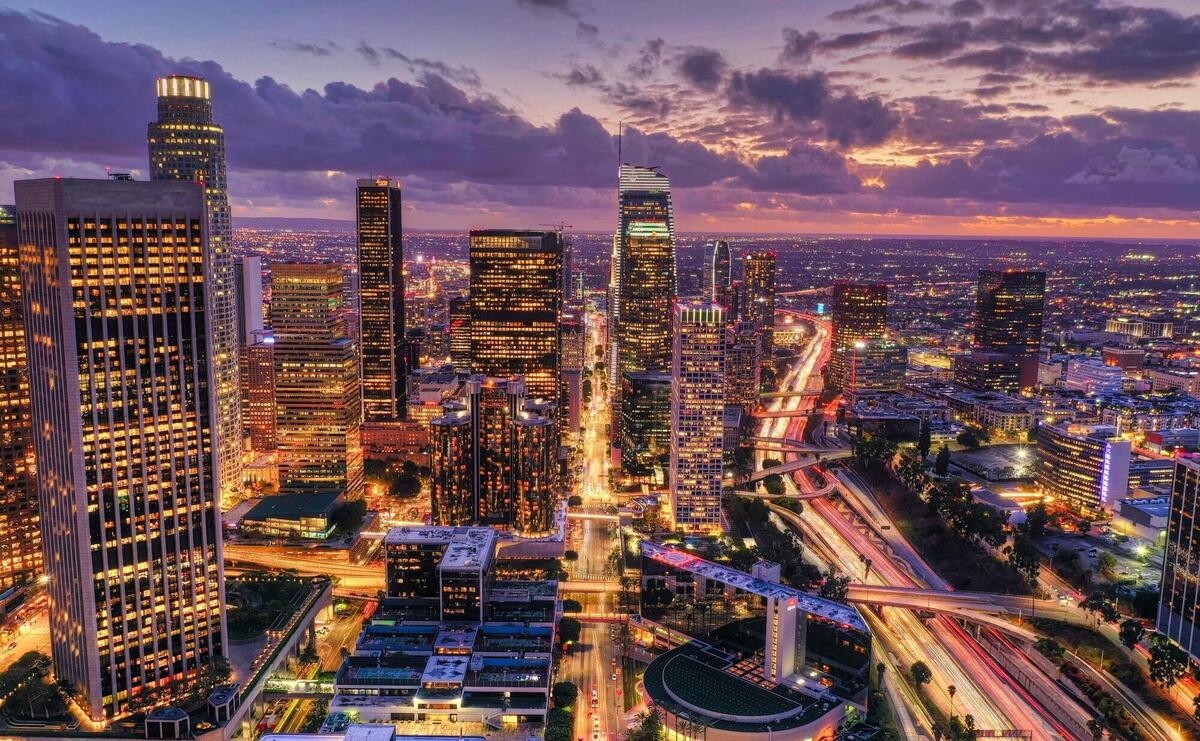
(318, 403)
(20, 534)
(459, 321)
(718, 267)
(859, 316)
(743, 363)
(1008, 317)
(1180, 596)
(381, 300)
(697, 415)
(759, 276)
(186, 144)
(516, 307)
(116, 300)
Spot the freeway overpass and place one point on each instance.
(787, 394)
(958, 603)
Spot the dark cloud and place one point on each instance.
(966, 8)
(370, 54)
(898, 7)
(807, 98)
(318, 49)
(584, 75)
(563, 7)
(798, 47)
(935, 41)
(803, 169)
(701, 67)
(647, 59)
(992, 91)
(375, 55)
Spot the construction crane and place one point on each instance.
(560, 226)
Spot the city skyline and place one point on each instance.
(875, 118)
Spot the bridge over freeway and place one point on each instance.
(787, 394)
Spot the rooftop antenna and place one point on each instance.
(620, 130)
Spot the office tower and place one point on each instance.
(1179, 599)
(448, 566)
(646, 425)
(460, 333)
(1082, 467)
(120, 378)
(697, 415)
(859, 315)
(516, 307)
(568, 266)
(1008, 317)
(318, 403)
(574, 335)
(185, 144)
(743, 365)
(258, 406)
(718, 267)
(20, 534)
(493, 459)
(759, 274)
(988, 371)
(381, 300)
(875, 366)
(451, 463)
(1093, 376)
(249, 294)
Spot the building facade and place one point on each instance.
(758, 275)
(1008, 317)
(1084, 468)
(186, 144)
(20, 532)
(859, 316)
(121, 380)
(1180, 591)
(743, 365)
(258, 395)
(646, 425)
(459, 321)
(718, 268)
(318, 402)
(381, 299)
(697, 415)
(516, 307)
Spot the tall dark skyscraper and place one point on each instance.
(759, 277)
(516, 307)
(643, 283)
(459, 319)
(20, 533)
(717, 271)
(1180, 600)
(186, 144)
(1008, 317)
(859, 316)
(381, 300)
(120, 374)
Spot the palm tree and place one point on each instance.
(1096, 727)
(952, 690)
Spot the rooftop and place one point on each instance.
(294, 506)
(365, 732)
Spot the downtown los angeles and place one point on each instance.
(504, 370)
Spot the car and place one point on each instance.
(613, 677)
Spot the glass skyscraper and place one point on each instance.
(123, 408)
(1180, 590)
(759, 278)
(717, 271)
(1008, 317)
(185, 144)
(859, 316)
(381, 300)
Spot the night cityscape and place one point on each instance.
(550, 369)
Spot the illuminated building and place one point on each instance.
(988, 371)
(1093, 376)
(185, 144)
(460, 333)
(758, 273)
(643, 283)
(1153, 329)
(20, 535)
(874, 366)
(258, 407)
(516, 307)
(317, 388)
(717, 269)
(1177, 609)
(120, 374)
(249, 299)
(1085, 468)
(1125, 358)
(697, 415)
(646, 425)
(859, 315)
(493, 459)
(743, 363)
(1008, 317)
(381, 300)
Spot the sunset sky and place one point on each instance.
(976, 117)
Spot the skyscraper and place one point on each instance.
(646, 425)
(120, 373)
(759, 276)
(717, 271)
(20, 534)
(743, 363)
(460, 333)
(248, 279)
(258, 395)
(859, 316)
(381, 300)
(643, 283)
(516, 307)
(1177, 609)
(185, 144)
(452, 469)
(1008, 317)
(697, 415)
(318, 402)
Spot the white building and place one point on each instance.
(697, 415)
(1092, 376)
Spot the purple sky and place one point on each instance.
(1021, 117)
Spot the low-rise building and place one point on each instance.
(307, 516)
(1143, 515)
(1093, 376)
(1084, 468)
